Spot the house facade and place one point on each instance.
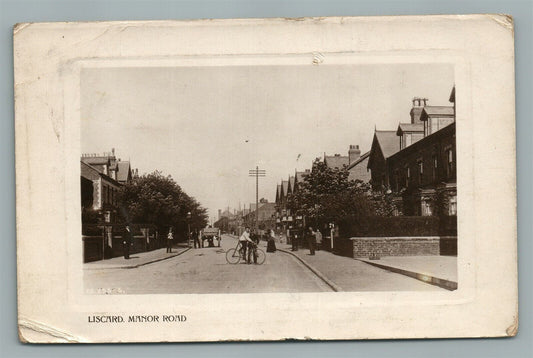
(422, 176)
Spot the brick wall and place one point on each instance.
(395, 246)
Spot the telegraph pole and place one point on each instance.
(257, 173)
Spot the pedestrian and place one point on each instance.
(170, 240)
(126, 242)
(195, 239)
(311, 241)
(318, 238)
(271, 244)
(294, 242)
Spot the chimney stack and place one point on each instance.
(416, 111)
(354, 153)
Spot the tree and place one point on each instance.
(328, 195)
(157, 199)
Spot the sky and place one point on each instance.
(207, 126)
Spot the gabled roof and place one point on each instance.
(124, 171)
(278, 192)
(385, 141)
(360, 160)
(291, 184)
(410, 127)
(336, 161)
(388, 142)
(96, 172)
(437, 111)
(285, 187)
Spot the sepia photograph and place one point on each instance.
(323, 178)
(216, 180)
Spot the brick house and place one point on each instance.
(422, 176)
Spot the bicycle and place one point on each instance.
(234, 256)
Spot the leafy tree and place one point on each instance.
(328, 195)
(157, 199)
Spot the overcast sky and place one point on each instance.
(207, 126)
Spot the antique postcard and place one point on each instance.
(266, 179)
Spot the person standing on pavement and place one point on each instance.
(271, 245)
(311, 241)
(318, 239)
(126, 242)
(170, 240)
(294, 242)
(198, 243)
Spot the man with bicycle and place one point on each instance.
(246, 243)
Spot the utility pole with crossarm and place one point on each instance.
(257, 173)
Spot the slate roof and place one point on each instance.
(124, 171)
(285, 186)
(361, 159)
(336, 161)
(95, 160)
(437, 111)
(410, 127)
(388, 141)
(291, 183)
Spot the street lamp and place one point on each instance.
(189, 228)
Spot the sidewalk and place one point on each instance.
(347, 274)
(436, 270)
(136, 260)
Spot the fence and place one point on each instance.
(105, 241)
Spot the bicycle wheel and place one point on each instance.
(259, 256)
(233, 256)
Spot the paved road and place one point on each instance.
(206, 271)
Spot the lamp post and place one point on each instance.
(189, 229)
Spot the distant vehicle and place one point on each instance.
(211, 234)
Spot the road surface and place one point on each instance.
(206, 271)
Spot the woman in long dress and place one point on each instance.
(271, 244)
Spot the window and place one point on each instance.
(407, 176)
(420, 164)
(396, 180)
(452, 206)
(427, 210)
(449, 161)
(434, 167)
